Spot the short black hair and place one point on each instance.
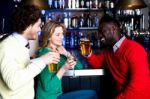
(109, 19)
(24, 16)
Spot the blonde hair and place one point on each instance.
(48, 30)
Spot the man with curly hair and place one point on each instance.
(17, 71)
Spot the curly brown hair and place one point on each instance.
(47, 31)
(24, 16)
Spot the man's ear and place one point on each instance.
(29, 28)
(114, 29)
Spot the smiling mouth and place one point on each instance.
(103, 39)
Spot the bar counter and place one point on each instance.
(85, 72)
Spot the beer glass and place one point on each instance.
(85, 46)
(53, 67)
(74, 58)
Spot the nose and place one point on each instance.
(40, 29)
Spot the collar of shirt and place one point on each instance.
(118, 44)
(20, 39)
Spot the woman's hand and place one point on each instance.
(63, 51)
(69, 64)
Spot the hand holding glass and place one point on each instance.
(85, 46)
(53, 67)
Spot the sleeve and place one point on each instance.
(96, 61)
(78, 65)
(49, 81)
(12, 72)
(138, 85)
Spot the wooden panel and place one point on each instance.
(74, 83)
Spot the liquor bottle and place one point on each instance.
(67, 39)
(62, 4)
(66, 20)
(89, 21)
(73, 4)
(69, 4)
(72, 45)
(95, 4)
(87, 3)
(69, 19)
(50, 3)
(77, 3)
(55, 4)
(49, 16)
(95, 20)
(111, 4)
(82, 3)
(74, 22)
(100, 4)
(82, 20)
(91, 4)
(58, 4)
(107, 3)
(146, 41)
(43, 17)
(75, 39)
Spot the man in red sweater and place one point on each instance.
(126, 60)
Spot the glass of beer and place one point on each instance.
(53, 67)
(85, 46)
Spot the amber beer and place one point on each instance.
(53, 67)
(85, 46)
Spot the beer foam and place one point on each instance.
(84, 39)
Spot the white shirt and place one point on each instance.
(17, 71)
(23, 42)
(118, 44)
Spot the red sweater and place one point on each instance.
(129, 67)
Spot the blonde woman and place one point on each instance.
(49, 82)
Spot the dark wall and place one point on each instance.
(6, 8)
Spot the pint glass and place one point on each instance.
(53, 67)
(85, 46)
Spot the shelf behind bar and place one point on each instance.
(85, 72)
(76, 9)
(84, 28)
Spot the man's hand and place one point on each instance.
(51, 57)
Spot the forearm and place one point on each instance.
(15, 77)
(60, 73)
(96, 61)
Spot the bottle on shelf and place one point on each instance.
(82, 4)
(73, 4)
(107, 4)
(88, 3)
(75, 39)
(77, 4)
(111, 4)
(95, 20)
(50, 3)
(62, 4)
(66, 20)
(74, 21)
(67, 43)
(69, 4)
(82, 20)
(72, 40)
(95, 4)
(89, 21)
